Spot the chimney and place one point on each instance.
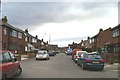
(36, 36)
(88, 38)
(101, 30)
(73, 43)
(26, 30)
(81, 40)
(4, 20)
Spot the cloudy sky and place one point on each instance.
(62, 22)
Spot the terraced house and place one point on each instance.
(12, 38)
(114, 45)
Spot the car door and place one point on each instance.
(15, 63)
(82, 58)
(7, 65)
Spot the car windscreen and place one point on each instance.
(79, 53)
(42, 52)
(94, 56)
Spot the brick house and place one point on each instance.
(33, 43)
(53, 47)
(86, 43)
(94, 43)
(114, 46)
(74, 45)
(13, 39)
(104, 37)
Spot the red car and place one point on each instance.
(9, 66)
(74, 53)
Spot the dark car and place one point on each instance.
(51, 53)
(9, 66)
(91, 61)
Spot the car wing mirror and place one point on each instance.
(14, 59)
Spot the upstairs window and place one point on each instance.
(5, 31)
(19, 35)
(14, 33)
(115, 33)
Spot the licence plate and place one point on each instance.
(95, 62)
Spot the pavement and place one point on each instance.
(24, 57)
(114, 66)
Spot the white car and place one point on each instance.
(78, 54)
(42, 54)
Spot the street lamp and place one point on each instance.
(44, 35)
(49, 41)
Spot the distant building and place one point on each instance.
(86, 43)
(74, 45)
(53, 47)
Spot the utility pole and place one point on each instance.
(49, 41)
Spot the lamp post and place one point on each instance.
(49, 41)
(44, 35)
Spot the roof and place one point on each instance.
(118, 26)
(10, 26)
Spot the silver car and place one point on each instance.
(42, 54)
(78, 53)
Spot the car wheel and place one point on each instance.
(19, 71)
(83, 66)
(48, 58)
(78, 63)
(4, 77)
(36, 59)
(101, 69)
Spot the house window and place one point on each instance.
(5, 31)
(26, 38)
(14, 33)
(115, 33)
(26, 48)
(116, 49)
(20, 35)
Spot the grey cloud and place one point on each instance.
(69, 39)
(29, 14)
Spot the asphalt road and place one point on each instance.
(61, 66)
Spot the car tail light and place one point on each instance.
(103, 61)
(76, 57)
(87, 60)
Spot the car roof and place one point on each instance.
(81, 51)
(4, 50)
(42, 51)
(93, 53)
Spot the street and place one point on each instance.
(60, 66)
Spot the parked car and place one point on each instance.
(91, 61)
(74, 53)
(42, 54)
(9, 66)
(57, 52)
(69, 51)
(77, 55)
(51, 53)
